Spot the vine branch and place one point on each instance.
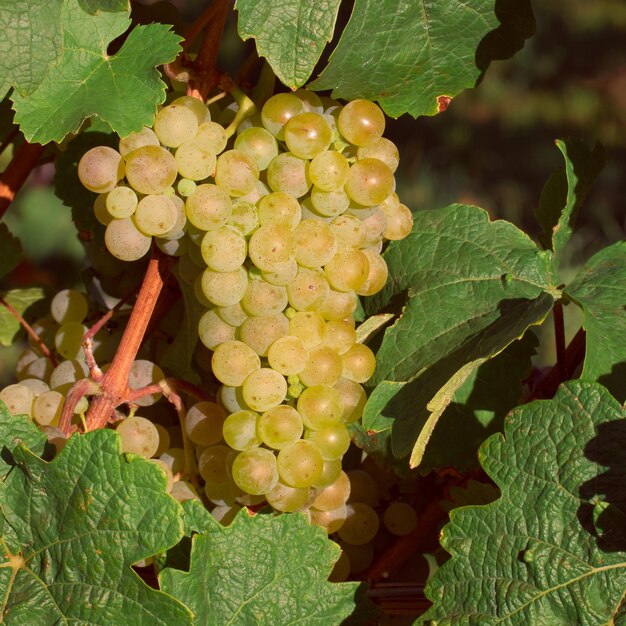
(17, 171)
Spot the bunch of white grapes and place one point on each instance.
(279, 230)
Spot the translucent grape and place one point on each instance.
(300, 464)
(100, 168)
(308, 326)
(236, 172)
(330, 473)
(339, 335)
(233, 314)
(151, 169)
(353, 397)
(308, 289)
(213, 464)
(369, 182)
(100, 209)
(69, 305)
(155, 215)
(223, 249)
(330, 521)
(233, 362)
(259, 144)
(324, 367)
(213, 330)
(361, 524)
(175, 124)
(65, 374)
(36, 386)
(329, 170)
(121, 202)
(307, 135)
(143, 373)
(382, 149)
(138, 435)
(255, 471)
(348, 231)
(196, 105)
(280, 426)
(329, 203)
(204, 422)
(208, 207)
(287, 355)
(332, 441)
(278, 110)
(263, 389)
(68, 339)
(347, 270)
(18, 399)
(224, 288)
(320, 406)
(285, 498)
(279, 208)
(361, 122)
(315, 243)
(195, 161)
(400, 518)
(359, 363)
(47, 407)
(240, 430)
(145, 137)
(334, 495)
(212, 136)
(281, 273)
(125, 241)
(287, 172)
(399, 221)
(377, 276)
(174, 458)
(312, 102)
(182, 491)
(272, 245)
(260, 332)
(263, 298)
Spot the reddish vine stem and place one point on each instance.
(171, 383)
(114, 383)
(200, 23)
(559, 338)
(17, 171)
(29, 329)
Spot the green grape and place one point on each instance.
(348, 230)
(377, 276)
(244, 217)
(263, 389)
(308, 289)
(174, 458)
(204, 422)
(339, 335)
(186, 187)
(195, 161)
(369, 182)
(330, 473)
(121, 202)
(280, 426)
(281, 273)
(100, 168)
(138, 435)
(213, 330)
(233, 362)
(287, 499)
(223, 249)
(361, 122)
(145, 137)
(399, 221)
(272, 245)
(196, 105)
(36, 386)
(212, 136)
(279, 207)
(213, 464)
(150, 169)
(300, 464)
(360, 557)
(100, 209)
(175, 124)
(359, 363)
(208, 207)
(224, 288)
(260, 332)
(68, 339)
(233, 314)
(315, 243)
(258, 144)
(39, 367)
(361, 524)
(240, 430)
(330, 521)
(230, 398)
(155, 215)
(347, 270)
(236, 173)
(263, 298)
(18, 399)
(308, 326)
(290, 174)
(363, 488)
(329, 203)
(400, 518)
(333, 441)
(324, 367)
(329, 170)
(259, 190)
(307, 135)
(334, 495)
(287, 355)
(255, 471)
(69, 305)
(66, 373)
(47, 407)
(278, 110)
(382, 149)
(143, 373)
(320, 406)
(374, 226)
(353, 397)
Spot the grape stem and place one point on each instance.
(31, 332)
(114, 383)
(83, 387)
(17, 171)
(246, 105)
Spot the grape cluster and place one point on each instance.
(280, 231)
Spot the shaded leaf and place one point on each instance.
(238, 572)
(123, 90)
(291, 34)
(111, 6)
(411, 57)
(11, 251)
(20, 300)
(73, 527)
(600, 289)
(550, 567)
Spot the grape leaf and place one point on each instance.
(533, 556)
(32, 40)
(11, 251)
(72, 528)
(94, 6)
(16, 430)
(291, 34)
(123, 89)
(412, 57)
(486, 281)
(600, 289)
(20, 300)
(566, 190)
(237, 573)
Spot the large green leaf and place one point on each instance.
(261, 569)
(535, 555)
(566, 190)
(409, 56)
(72, 528)
(11, 251)
(32, 40)
(600, 289)
(291, 34)
(473, 287)
(16, 430)
(20, 300)
(123, 90)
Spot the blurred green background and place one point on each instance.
(493, 147)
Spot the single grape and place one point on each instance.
(195, 161)
(290, 174)
(213, 464)
(47, 407)
(233, 362)
(68, 339)
(281, 273)
(347, 270)
(121, 202)
(138, 435)
(400, 518)
(125, 241)
(155, 215)
(236, 172)
(223, 249)
(339, 335)
(196, 105)
(300, 464)
(18, 399)
(204, 422)
(329, 203)
(259, 144)
(324, 367)
(145, 137)
(320, 406)
(287, 355)
(361, 524)
(308, 289)
(69, 305)
(369, 182)
(361, 122)
(263, 389)
(307, 135)
(255, 471)
(211, 136)
(175, 124)
(382, 149)
(263, 298)
(377, 276)
(333, 441)
(278, 110)
(288, 499)
(399, 221)
(182, 491)
(233, 314)
(279, 207)
(331, 521)
(208, 207)
(100, 168)
(260, 332)
(329, 170)
(353, 397)
(150, 169)
(280, 426)
(213, 330)
(308, 326)
(330, 473)
(359, 363)
(224, 288)
(348, 231)
(272, 245)
(315, 243)
(66, 373)
(240, 430)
